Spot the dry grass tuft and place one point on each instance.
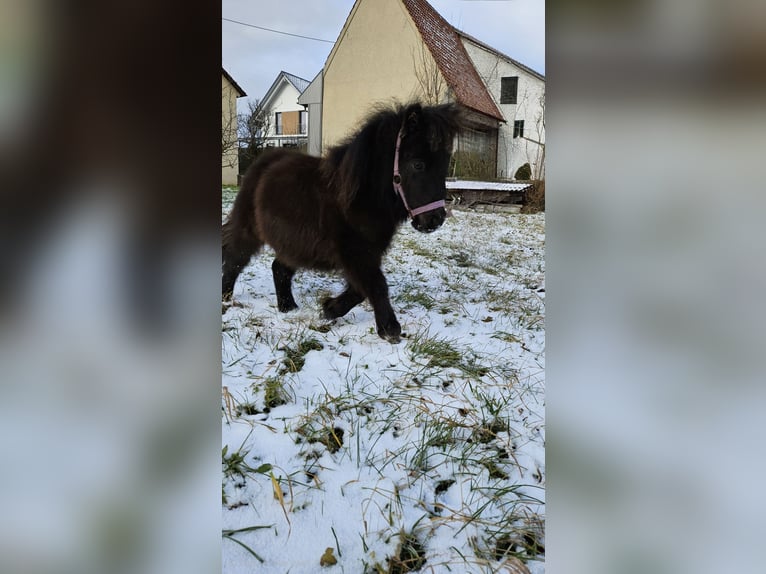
(535, 200)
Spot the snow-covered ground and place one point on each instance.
(341, 448)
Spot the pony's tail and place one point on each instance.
(240, 239)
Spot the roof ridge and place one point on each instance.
(297, 82)
(233, 82)
(499, 53)
(288, 77)
(444, 44)
(294, 76)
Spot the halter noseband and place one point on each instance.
(398, 186)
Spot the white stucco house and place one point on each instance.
(519, 93)
(404, 49)
(287, 124)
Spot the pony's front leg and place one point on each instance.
(335, 307)
(371, 282)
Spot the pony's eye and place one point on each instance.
(418, 165)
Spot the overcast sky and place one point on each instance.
(254, 57)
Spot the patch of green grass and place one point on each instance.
(503, 301)
(234, 464)
(514, 258)
(440, 352)
(418, 248)
(274, 393)
(507, 337)
(320, 328)
(455, 282)
(487, 432)
(493, 269)
(418, 297)
(437, 435)
(295, 356)
(444, 354)
(461, 259)
(471, 368)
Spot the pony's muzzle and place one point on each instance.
(429, 221)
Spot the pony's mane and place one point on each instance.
(355, 163)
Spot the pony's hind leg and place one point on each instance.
(283, 283)
(237, 248)
(335, 307)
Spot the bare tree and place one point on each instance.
(531, 142)
(539, 171)
(229, 145)
(253, 127)
(433, 87)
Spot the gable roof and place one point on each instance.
(313, 92)
(443, 41)
(240, 91)
(299, 84)
(498, 53)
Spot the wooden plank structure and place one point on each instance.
(468, 193)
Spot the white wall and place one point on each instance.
(512, 152)
(312, 97)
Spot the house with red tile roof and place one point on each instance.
(400, 50)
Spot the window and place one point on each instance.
(508, 88)
(518, 129)
(303, 122)
(278, 123)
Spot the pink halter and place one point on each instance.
(398, 186)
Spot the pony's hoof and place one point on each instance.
(393, 339)
(330, 309)
(391, 333)
(287, 307)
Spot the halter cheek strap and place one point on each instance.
(398, 186)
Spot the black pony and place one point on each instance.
(340, 212)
